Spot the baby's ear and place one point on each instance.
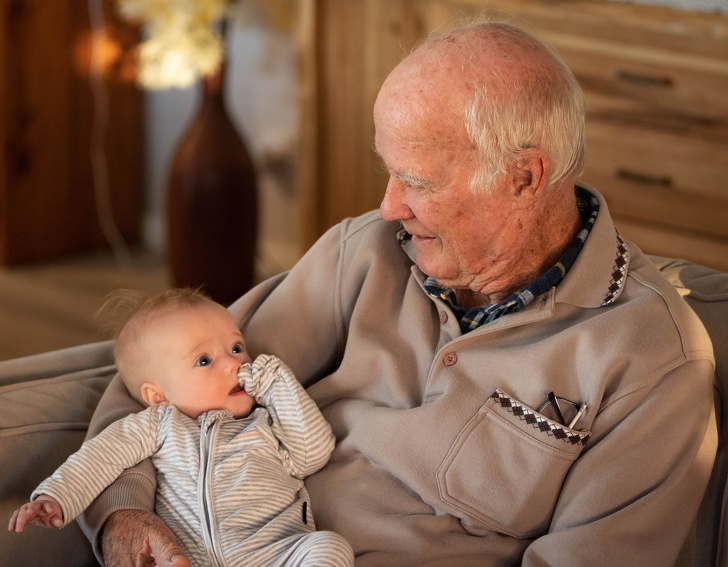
(152, 394)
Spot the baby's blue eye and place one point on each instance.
(237, 348)
(204, 361)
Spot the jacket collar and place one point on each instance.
(599, 273)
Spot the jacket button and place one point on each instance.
(450, 358)
(443, 316)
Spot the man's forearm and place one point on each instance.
(134, 489)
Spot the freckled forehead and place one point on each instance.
(423, 100)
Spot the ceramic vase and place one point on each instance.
(212, 201)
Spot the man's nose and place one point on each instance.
(393, 205)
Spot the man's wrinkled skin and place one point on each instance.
(158, 545)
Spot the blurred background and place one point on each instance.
(88, 150)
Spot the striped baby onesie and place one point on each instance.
(230, 490)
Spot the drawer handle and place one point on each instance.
(643, 178)
(646, 80)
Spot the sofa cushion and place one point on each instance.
(46, 403)
(706, 291)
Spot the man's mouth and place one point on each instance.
(417, 236)
(417, 239)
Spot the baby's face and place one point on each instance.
(195, 354)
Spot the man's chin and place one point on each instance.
(434, 271)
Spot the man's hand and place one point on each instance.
(43, 511)
(134, 537)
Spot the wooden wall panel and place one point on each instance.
(48, 206)
(347, 50)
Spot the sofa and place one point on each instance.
(46, 402)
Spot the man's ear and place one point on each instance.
(152, 394)
(531, 172)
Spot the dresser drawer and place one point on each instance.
(679, 91)
(658, 176)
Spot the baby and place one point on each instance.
(231, 441)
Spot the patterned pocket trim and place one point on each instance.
(539, 422)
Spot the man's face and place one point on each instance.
(464, 239)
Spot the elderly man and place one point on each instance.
(509, 382)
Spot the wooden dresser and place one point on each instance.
(656, 82)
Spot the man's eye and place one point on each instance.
(237, 348)
(204, 361)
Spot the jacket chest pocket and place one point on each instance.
(506, 467)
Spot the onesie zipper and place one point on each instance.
(209, 429)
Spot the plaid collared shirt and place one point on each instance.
(473, 318)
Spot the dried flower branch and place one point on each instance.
(184, 39)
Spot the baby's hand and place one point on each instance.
(43, 511)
